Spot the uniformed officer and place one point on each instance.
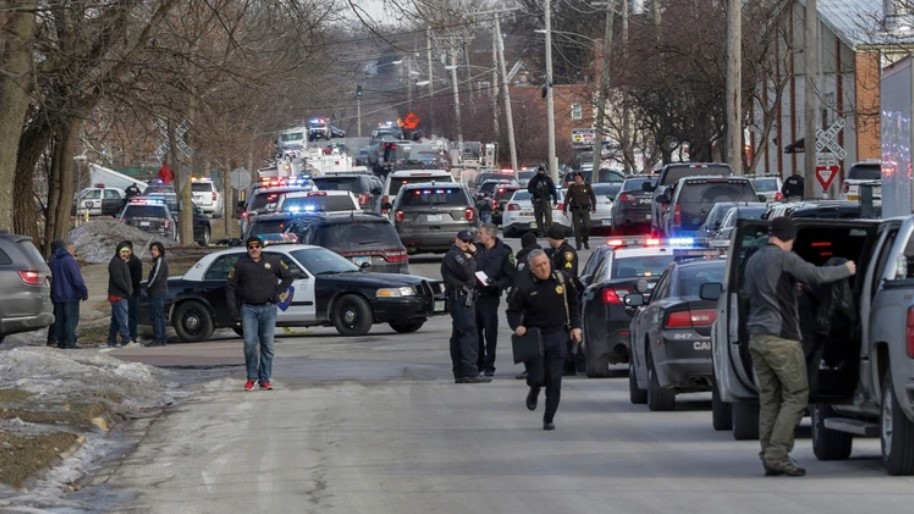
(542, 189)
(496, 260)
(581, 201)
(562, 255)
(255, 284)
(794, 186)
(522, 274)
(549, 302)
(458, 270)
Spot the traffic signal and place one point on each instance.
(358, 91)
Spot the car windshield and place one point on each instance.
(635, 184)
(489, 187)
(692, 277)
(607, 189)
(765, 184)
(503, 193)
(865, 172)
(145, 211)
(198, 187)
(268, 226)
(357, 235)
(717, 213)
(644, 266)
(337, 183)
(318, 203)
(320, 261)
(426, 196)
(294, 136)
(675, 173)
(154, 189)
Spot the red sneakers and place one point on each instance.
(249, 385)
(266, 385)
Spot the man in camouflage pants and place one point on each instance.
(771, 278)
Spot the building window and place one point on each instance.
(576, 112)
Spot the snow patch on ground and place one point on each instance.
(97, 240)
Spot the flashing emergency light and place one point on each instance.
(201, 179)
(680, 242)
(156, 182)
(140, 200)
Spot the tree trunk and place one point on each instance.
(18, 28)
(34, 141)
(60, 183)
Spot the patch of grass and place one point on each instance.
(21, 456)
(13, 395)
(72, 414)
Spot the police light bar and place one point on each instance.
(674, 242)
(294, 209)
(682, 254)
(138, 200)
(280, 238)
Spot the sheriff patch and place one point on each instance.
(266, 265)
(569, 256)
(559, 289)
(512, 260)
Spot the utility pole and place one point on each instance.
(550, 101)
(493, 93)
(431, 81)
(655, 12)
(602, 94)
(734, 90)
(626, 142)
(512, 146)
(811, 64)
(453, 51)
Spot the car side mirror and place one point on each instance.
(633, 300)
(761, 198)
(710, 291)
(365, 265)
(642, 286)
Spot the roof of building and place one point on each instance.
(862, 23)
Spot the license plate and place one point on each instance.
(607, 221)
(526, 213)
(144, 223)
(434, 217)
(853, 197)
(358, 261)
(647, 216)
(439, 305)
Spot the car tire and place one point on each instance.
(745, 421)
(829, 444)
(352, 315)
(896, 433)
(721, 413)
(204, 240)
(658, 398)
(193, 322)
(636, 395)
(406, 327)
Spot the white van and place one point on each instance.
(396, 179)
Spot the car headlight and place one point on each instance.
(396, 292)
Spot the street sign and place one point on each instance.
(240, 178)
(583, 138)
(825, 139)
(826, 175)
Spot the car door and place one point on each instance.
(302, 308)
(91, 201)
(111, 202)
(643, 323)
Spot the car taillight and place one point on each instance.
(703, 317)
(612, 296)
(494, 205)
(396, 256)
(363, 198)
(513, 207)
(909, 332)
(167, 223)
(845, 187)
(384, 201)
(469, 213)
(625, 197)
(677, 215)
(30, 276)
(214, 196)
(399, 216)
(689, 319)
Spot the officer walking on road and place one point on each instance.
(771, 278)
(522, 274)
(549, 302)
(458, 270)
(794, 186)
(496, 260)
(255, 284)
(542, 189)
(581, 201)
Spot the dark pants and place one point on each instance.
(133, 305)
(464, 345)
(487, 331)
(546, 371)
(580, 218)
(66, 317)
(157, 306)
(542, 213)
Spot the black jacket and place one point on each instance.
(136, 273)
(498, 264)
(256, 283)
(457, 270)
(541, 303)
(158, 277)
(564, 258)
(793, 187)
(119, 281)
(541, 187)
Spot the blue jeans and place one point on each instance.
(157, 304)
(258, 322)
(133, 305)
(119, 323)
(66, 316)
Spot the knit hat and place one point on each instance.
(783, 229)
(528, 239)
(254, 240)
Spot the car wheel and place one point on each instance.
(745, 421)
(658, 398)
(636, 395)
(204, 240)
(829, 444)
(193, 322)
(721, 413)
(407, 327)
(896, 434)
(352, 316)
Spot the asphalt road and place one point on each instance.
(375, 425)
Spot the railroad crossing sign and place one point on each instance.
(826, 139)
(182, 145)
(826, 175)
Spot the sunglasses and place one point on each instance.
(467, 241)
(253, 246)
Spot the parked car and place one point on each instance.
(748, 211)
(397, 179)
(500, 200)
(863, 174)
(835, 210)
(691, 199)
(631, 212)
(99, 201)
(265, 197)
(669, 175)
(206, 196)
(328, 290)
(365, 186)
(318, 201)
(429, 216)
(25, 280)
(518, 218)
(768, 185)
(150, 215)
(601, 221)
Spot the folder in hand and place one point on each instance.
(528, 346)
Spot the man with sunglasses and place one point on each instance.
(254, 285)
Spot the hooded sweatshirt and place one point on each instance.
(67, 284)
(119, 281)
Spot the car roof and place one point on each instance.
(306, 194)
(421, 173)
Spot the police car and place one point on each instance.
(206, 196)
(265, 196)
(150, 215)
(619, 267)
(328, 290)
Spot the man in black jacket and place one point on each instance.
(522, 274)
(157, 288)
(496, 260)
(255, 284)
(120, 289)
(542, 189)
(136, 276)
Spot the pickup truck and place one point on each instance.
(861, 372)
(668, 176)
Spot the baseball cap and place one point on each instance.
(465, 235)
(529, 238)
(783, 229)
(555, 232)
(253, 240)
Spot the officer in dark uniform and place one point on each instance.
(581, 201)
(794, 186)
(562, 255)
(542, 189)
(548, 302)
(458, 270)
(522, 274)
(256, 284)
(496, 260)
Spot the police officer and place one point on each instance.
(496, 260)
(771, 277)
(549, 302)
(542, 189)
(522, 274)
(581, 201)
(458, 270)
(562, 255)
(256, 284)
(794, 186)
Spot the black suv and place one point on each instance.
(25, 280)
(361, 238)
(365, 186)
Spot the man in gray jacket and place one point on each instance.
(771, 279)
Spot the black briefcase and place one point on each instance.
(528, 346)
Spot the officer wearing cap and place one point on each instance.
(562, 255)
(542, 189)
(458, 270)
(771, 278)
(581, 201)
(255, 284)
